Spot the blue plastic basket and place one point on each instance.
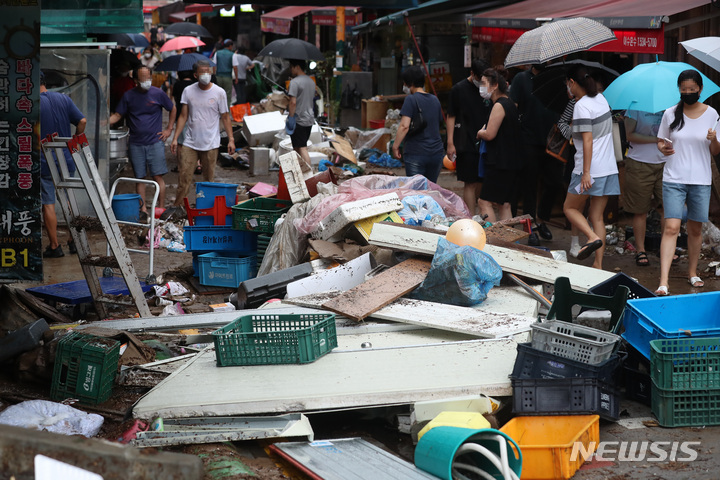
(219, 238)
(226, 271)
(680, 316)
(205, 193)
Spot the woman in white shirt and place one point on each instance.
(688, 140)
(595, 175)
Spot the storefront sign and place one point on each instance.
(635, 41)
(20, 206)
(327, 18)
(496, 34)
(280, 26)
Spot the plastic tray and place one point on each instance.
(275, 339)
(226, 271)
(686, 363)
(259, 214)
(205, 193)
(85, 368)
(677, 316)
(608, 287)
(576, 342)
(214, 238)
(686, 408)
(565, 396)
(547, 443)
(532, 363)
(262, 242)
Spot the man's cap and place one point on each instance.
(227, 42)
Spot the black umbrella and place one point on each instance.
(292, 48)
(187, 29)
(549, 85)
(123, 58)
(179, 63)
(129, 39)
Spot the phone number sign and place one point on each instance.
(635, 41)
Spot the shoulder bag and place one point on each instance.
(417, 122)
(558, 146)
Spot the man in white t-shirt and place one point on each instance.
(241, 65)
(204, 104)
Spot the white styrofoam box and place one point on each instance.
(259, 161)
(294, 178)
(315, 157)
(315, 134)
(349, 213)
(260, 130)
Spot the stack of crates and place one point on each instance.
(222, 256)
(259, 215)
(85, 368)
(686, 381)
(568, 369)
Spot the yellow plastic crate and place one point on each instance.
(547, 443)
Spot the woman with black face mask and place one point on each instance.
(688, 140)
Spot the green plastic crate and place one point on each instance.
(686, 408)
(686, 363)
(267, 339)
(262, 244)
(259, 214)
(85, 368)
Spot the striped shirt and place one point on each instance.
(592, 114)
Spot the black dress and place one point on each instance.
(504, 157)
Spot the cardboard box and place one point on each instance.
(260, 130)
(259, 161)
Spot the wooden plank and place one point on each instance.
(343, 148)
(527, 264)
(505, 233)
(342, 379)
(359, 302)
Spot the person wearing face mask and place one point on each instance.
(423, 150)
(688, 141)
(595, 176)
(148, 58)
(467, 113)
(143, 107)
(503, 160)
(204, 106)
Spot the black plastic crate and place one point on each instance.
(533, 363)
(565, 396)
(608, 287)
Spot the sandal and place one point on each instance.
(696, 282)
(589, 248)
(641, 259)
(661, 291)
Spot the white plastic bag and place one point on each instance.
(52, 417)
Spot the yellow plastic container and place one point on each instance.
(547, 443)
(472, 420)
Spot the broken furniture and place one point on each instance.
(53, 148)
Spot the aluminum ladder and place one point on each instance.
(89, 180)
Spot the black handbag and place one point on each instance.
(558, 146)
(417, 122)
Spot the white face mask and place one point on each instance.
(204, 78)
(406, 90)
(569, 92)
(484, 92)
(146, 84)
(148, 55)
(476, 83)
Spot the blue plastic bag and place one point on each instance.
(482, 149)
(417, 208)
(384, 160)
(459, 276)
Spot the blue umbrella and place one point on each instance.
(129, 39)
(179, 63)
(652, 87)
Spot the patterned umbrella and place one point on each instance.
(555, 39)
(181, 43)
(179, 63)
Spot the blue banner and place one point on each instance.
(20, 205)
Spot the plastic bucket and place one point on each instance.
(126, 207)
(436, 450)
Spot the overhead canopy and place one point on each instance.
(616, 14)
(181, 16)
(280, 20)
(389, 4)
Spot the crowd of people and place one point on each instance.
(497, 134)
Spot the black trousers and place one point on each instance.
(542, 178)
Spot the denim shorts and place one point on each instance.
(601, 186)
(148, 158)
(428, 166)
(47, 189)
(697, 198)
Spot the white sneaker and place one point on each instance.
(574, 250)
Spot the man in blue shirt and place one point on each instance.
(57, 112)
(223, 59)
(143, 107)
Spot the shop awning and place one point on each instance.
(616, 14)
(385, 4)
(181, 16)
(280, 20)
